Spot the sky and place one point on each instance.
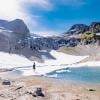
(49, 17)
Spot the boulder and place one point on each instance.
(92, 90)
(6, 82)
(38, 92)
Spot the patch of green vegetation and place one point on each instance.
(66, 49)
(87, 37)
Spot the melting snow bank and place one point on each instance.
(61, 61)
(12, 60)
(24, 66)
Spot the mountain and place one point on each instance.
(95, 27)
(15, 37)
(11, 32)
(78, 28)
(17, 26)
(81, 28)
(82, 34)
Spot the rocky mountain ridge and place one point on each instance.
(15, 37)
(17, 26)
(81, 28)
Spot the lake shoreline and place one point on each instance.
(53, 89)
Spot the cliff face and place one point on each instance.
(17, 26)
(77, 29)
(95, 27)
(11, 32)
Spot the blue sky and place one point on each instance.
(49, 17)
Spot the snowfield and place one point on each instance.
(24, 66)
(12, 60)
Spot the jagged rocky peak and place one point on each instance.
(95, 27)
(11, 32)
(78, 28)
(16, 25)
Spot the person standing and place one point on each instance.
(34, 66)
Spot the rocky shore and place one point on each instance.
(23, 89)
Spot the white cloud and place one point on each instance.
(12, 9)
(8, 8)
(40, 3)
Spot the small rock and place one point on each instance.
(38, 92)
(19, 88)
(2, 95)
(6, 82)
(92, 90)
(27, 92)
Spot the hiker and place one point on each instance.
(34, 66)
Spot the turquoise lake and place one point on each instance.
(83, 74)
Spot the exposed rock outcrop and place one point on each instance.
(17, 26)
(81, 28)
(95, 27)
(77, 29)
